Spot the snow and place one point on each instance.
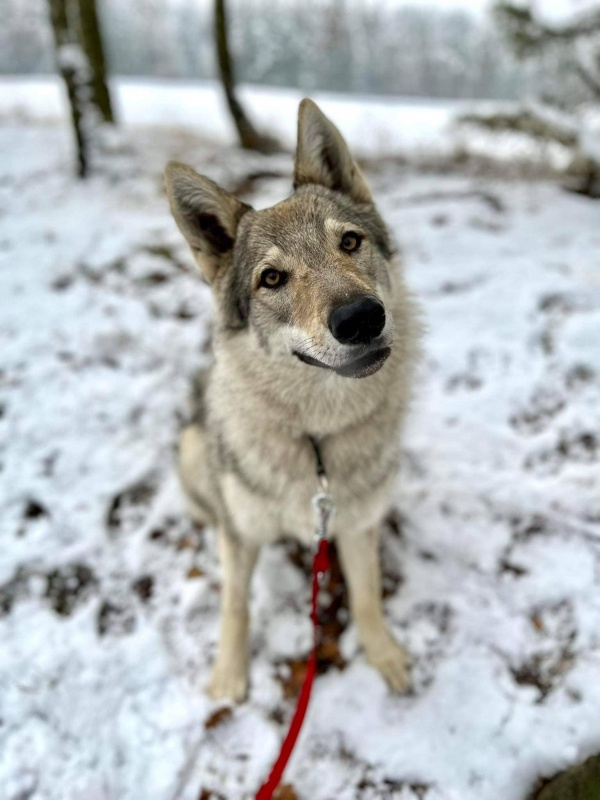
(589, 137)
(109, 595)
(384, 125)
(418, 129)
(559, 12)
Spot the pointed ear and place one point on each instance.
(322, 156)
(207, 215)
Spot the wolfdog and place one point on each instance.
(315, 338)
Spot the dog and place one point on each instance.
(316, 338)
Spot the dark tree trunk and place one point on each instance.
(249, 137)
(80, 61)
(64, 38)
(91, 40)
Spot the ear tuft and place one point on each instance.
(322, 156)
(207, 215)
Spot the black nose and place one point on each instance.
(358, 322)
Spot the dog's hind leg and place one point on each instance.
(359, 553)
(230, 672)
(193, 474)
(191, 458)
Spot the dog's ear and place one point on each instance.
(322, 156)
(207, 215)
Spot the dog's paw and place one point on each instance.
(392, 661)
(228, 683)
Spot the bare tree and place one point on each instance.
(563, 119)
(92, 43)
(80, 61)
(67, 51)
(249, 137)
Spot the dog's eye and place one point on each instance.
(272, 278)
(351, 241)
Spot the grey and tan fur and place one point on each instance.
(280, 376)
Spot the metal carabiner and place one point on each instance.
(324, 507)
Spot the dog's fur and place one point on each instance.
(246, 461)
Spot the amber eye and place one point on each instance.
(351, 241)
(272, 278)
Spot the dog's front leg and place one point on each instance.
(359, 553)
(230, 672)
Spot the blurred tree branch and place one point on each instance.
(535, 122)
(529, 33)
(530, 37)
(591, 81)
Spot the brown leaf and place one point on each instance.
(285, 791)
(218, 717)
(292, 683)
(186, 543)
(208, 794)
(194, 572)
(328, 654)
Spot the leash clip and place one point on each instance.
(324, 507)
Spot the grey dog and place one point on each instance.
(316, 338)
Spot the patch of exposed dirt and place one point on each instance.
(580, 447)
(117, 619)
(65, 588)
(128, 509)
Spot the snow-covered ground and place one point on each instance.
(109, 595)
(417, 129)
(374, 125)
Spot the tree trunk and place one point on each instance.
(80, 61)
(91, 40)
(66, 49)
(249, 137)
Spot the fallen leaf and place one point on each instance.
(292, 683)
(195, 572)
(208, 794)
(537, 623)
(218, 717)
(186, 543)
(285, 791)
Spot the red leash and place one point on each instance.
(320, 567)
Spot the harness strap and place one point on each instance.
(320, 567)
(321, 473)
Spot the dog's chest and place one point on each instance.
(269, 483)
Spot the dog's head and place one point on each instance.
(308, 277)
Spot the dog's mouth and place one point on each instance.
(367, 364)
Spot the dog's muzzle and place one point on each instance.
(357, 325)
(368, 364)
